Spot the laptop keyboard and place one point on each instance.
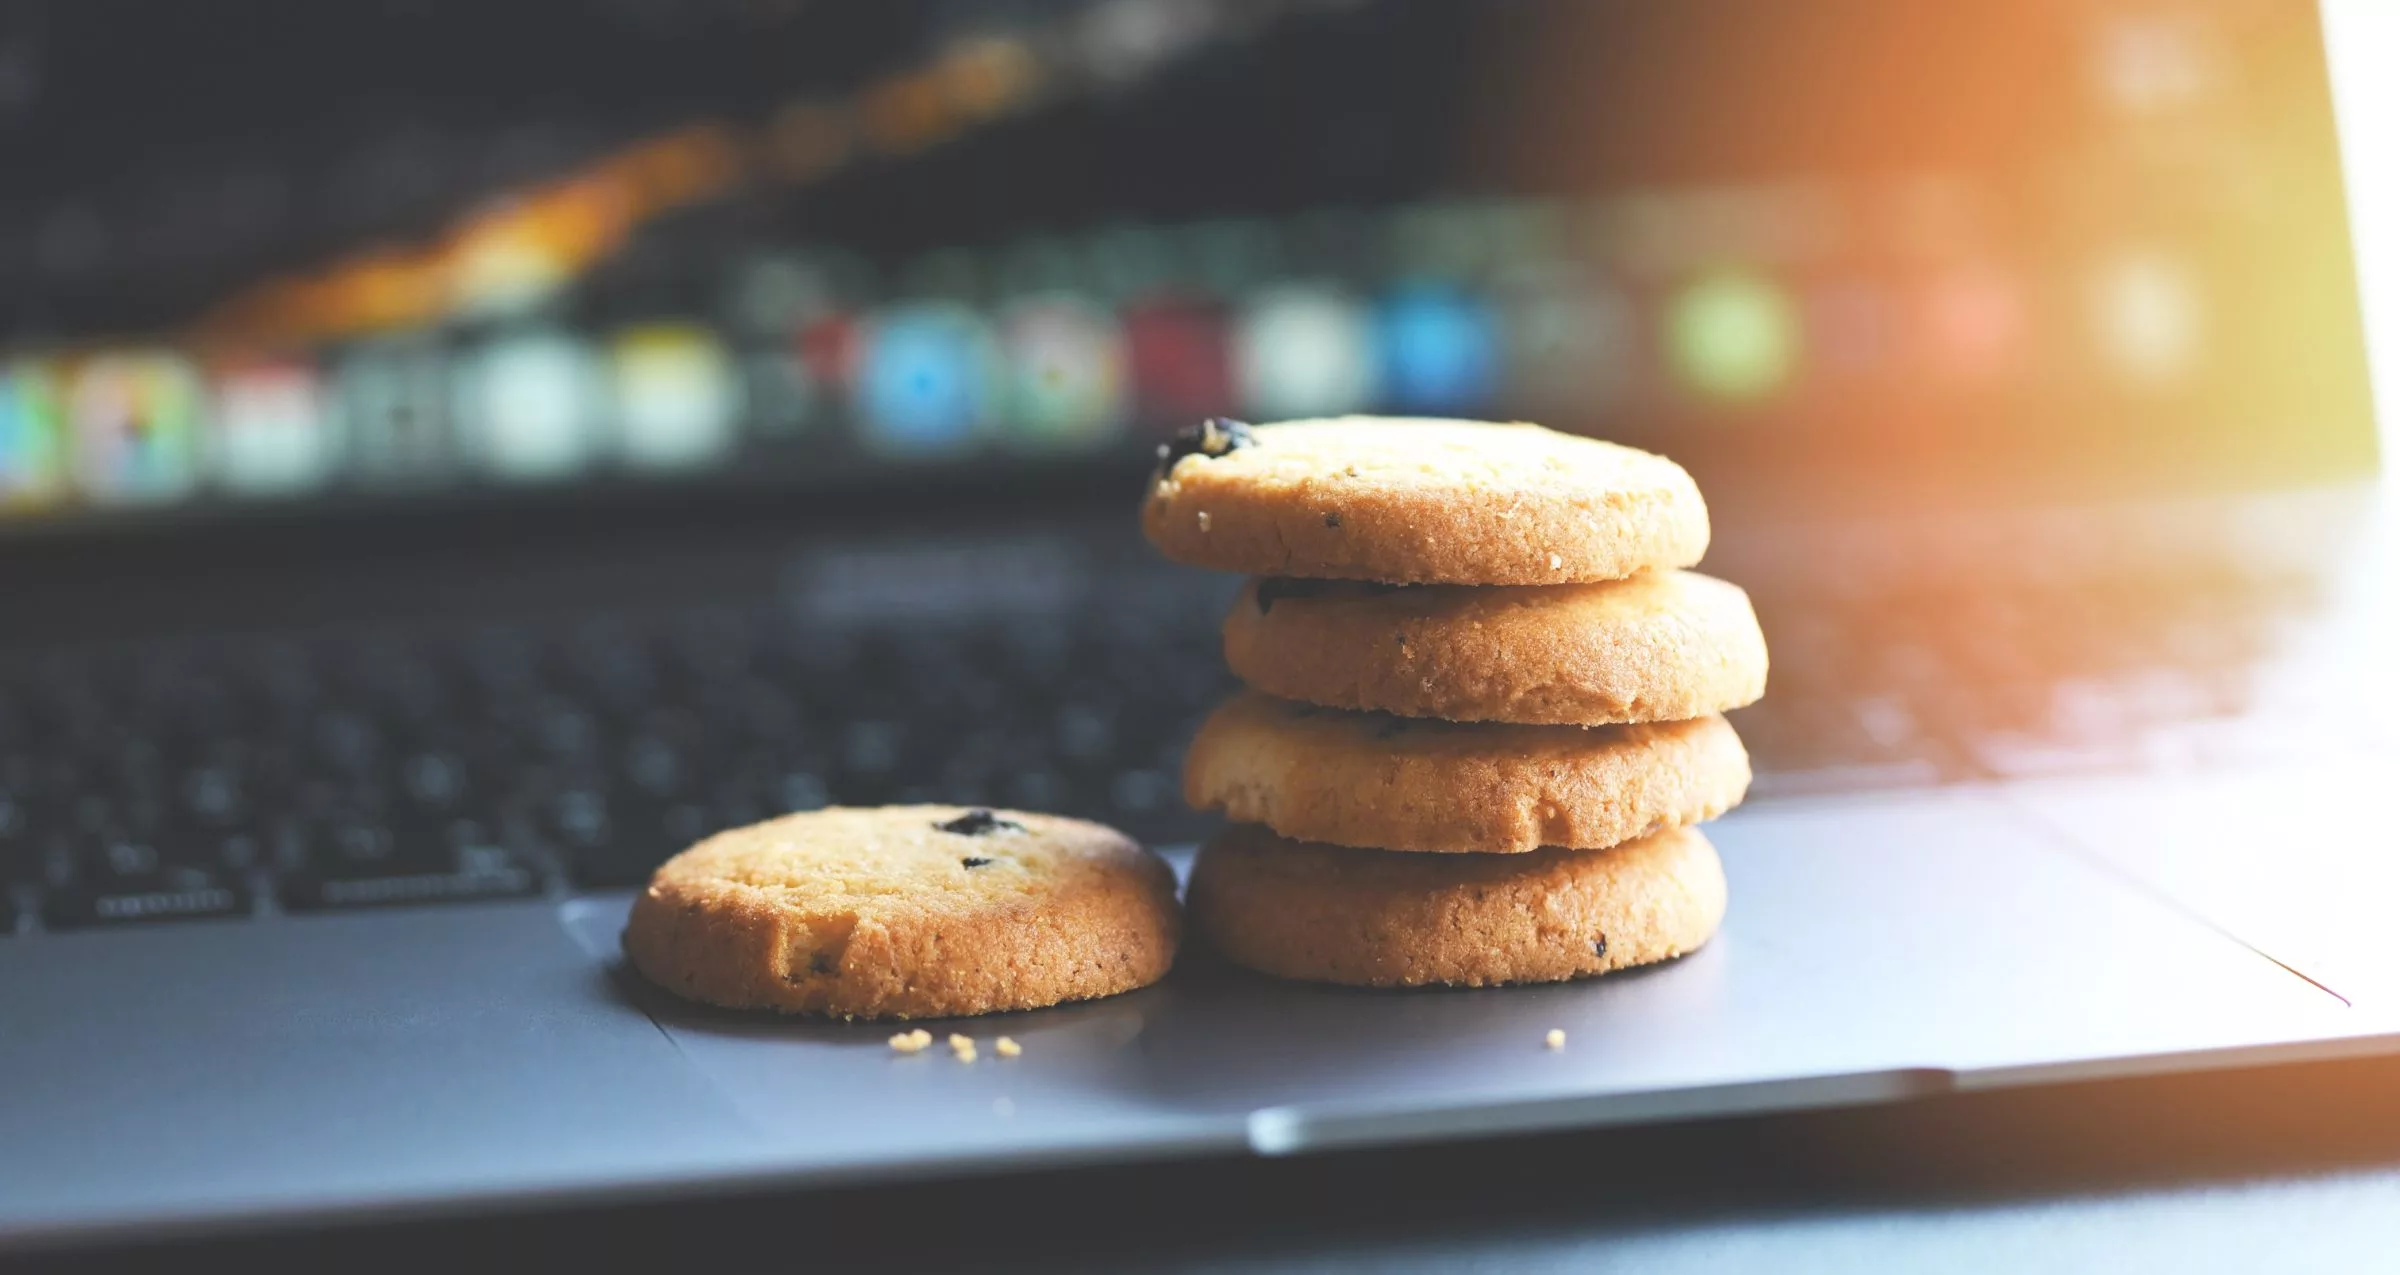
(1961, 681)
(237, 778)
(227, 779)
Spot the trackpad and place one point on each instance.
(845, 1097)
(1874, 948)
(2301, 863)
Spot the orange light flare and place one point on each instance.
(519, 249)
(500, 254)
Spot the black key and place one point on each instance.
(1086, 731)
(562, 730)
(17, 860)
(617, 839)
(377, 865)
(506, 879)
(1035, 790)
(1142, 792)
(169, 893)
(655, 765)
(871, 749)
(793, 790)
(434, 781)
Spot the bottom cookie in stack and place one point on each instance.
(1380, 918)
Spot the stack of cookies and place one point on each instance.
(1485, 703)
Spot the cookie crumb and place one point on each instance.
(1007, 1047)
(1203, 520)
(963, 1047)
(910, 1042)
(1557, 1039)
(1556, 562)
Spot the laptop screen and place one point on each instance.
(276, 255)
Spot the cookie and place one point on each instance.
(1333, 914)
(1415, 783)
(906, 912)
(1661, 646)
(1420, 502)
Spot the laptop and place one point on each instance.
(575, 429)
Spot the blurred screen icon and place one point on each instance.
(271, 433)
(779, 396)
(775, 293)
(1180, 362)
(1974, 322)
(390, 399)
(1732, 337)
(2154, 63)
(1305, 350)
(829, 348)
(1569, 346)
(135, 419)
(1853, 333)
(2146, 315)
(33, 462)
(1066, 371)
(529, 403)
(677, 397)
(1440, 349)
(926, 380)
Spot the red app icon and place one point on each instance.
(1176, 350)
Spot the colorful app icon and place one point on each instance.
(529, 405)
(1066, 372)
(393, 404)
(135, 419)
(1181, 361)
(1439, 349)
(33, 461)
(271, 433)
(1732, 337)
(926, 379)
(1303, 350)
(1570, 347)
(677, 397)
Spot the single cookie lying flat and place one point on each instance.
(1420, 502)
(906, 912)
(1661, 646)
(1412, 783)
(1339, 915)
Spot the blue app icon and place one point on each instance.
(926, 384)
(1440, 349)
(32, 449)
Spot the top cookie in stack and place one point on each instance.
(1473, 641)
(1420, 502)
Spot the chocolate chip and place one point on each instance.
(1212, 437)
(1600, 947)
(973, 861)
(1333, 520)
(978, 823)
(824, 963)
